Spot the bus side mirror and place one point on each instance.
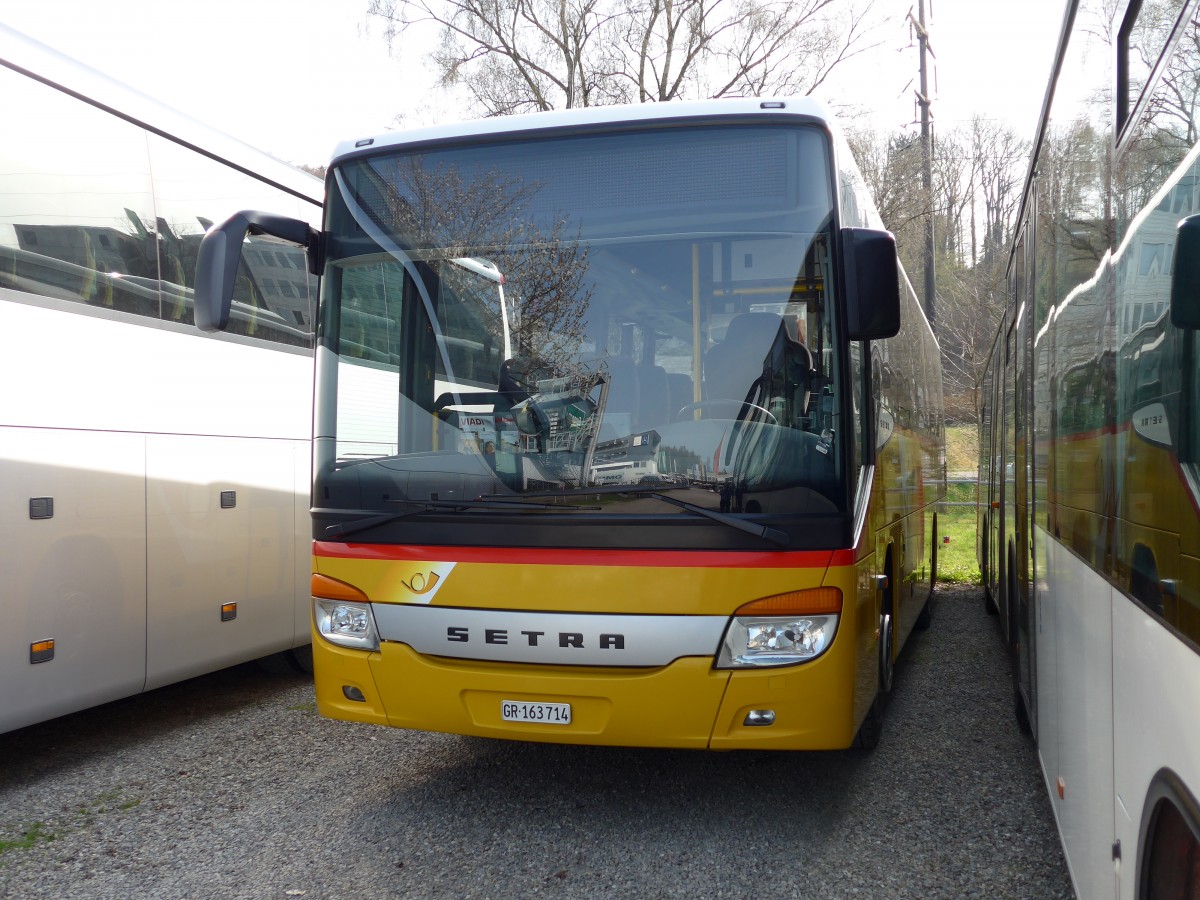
(1185, 276)
(220, 256)
(872, 281)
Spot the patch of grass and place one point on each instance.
(962, 448)
(956, 559)
(31, 836)
(105, 802)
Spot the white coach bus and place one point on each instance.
(154, 481)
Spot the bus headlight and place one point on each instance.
(782, 630)
(346, 623)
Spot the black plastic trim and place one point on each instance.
(591, 532)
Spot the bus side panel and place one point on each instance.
(917, 562)
(301, 535)
(1152, 736)
(866, 619)
(203, 554)
(76, 577)
(1075, 703)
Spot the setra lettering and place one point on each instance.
(461, 634)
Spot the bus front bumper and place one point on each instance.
(685, 704)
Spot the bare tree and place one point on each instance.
(978, 174)
(1000, 159)
(440, 213)
(892, 169)
(531, 55)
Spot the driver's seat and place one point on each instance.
(732, 366)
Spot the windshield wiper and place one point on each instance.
(341, 529)
(595, 490)
(774, 535)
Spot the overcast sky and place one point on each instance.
(295, 77)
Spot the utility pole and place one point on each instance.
(926, 161)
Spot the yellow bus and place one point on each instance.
(673, 485)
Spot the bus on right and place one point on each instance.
(1089, 472)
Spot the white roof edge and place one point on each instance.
(22, 52)
(591, 115)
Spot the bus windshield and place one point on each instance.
(640, 311)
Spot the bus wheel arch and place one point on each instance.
(887, 631)
(1015, 650)
(871, 729)
(933, 557)
(1168, 853)
(1143, 579)
(986, 566)
(1009, 600)
(925, 616)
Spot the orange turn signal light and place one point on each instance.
(809, 602)
(331, 589)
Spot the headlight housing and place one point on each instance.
(342, 614)
(782, 630)
(346, 624)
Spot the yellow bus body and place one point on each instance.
(687, 703)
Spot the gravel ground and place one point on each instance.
(231, 786)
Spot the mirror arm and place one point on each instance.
(221, 253)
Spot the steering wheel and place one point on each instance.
(738, 409)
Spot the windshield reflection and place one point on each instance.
(518, 325)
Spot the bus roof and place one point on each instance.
(34, 59)
(591, 115)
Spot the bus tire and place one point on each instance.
(925, 616)
(275, 664)
(985, 567)
(872, 727)
(1024, 724)
(300, 659)
(887, 654)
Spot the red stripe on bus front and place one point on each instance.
(734, 559)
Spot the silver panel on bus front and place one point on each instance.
(578, 639)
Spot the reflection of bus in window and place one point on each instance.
(684, 527)
(1089, 488)
(474, 339)
(155, 481)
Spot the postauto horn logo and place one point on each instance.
(420, 582)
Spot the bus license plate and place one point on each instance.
(544, 713)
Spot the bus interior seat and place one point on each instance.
(754, 343)
(732, 366)
(681, 391)
(654, 394)
(622, 409)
